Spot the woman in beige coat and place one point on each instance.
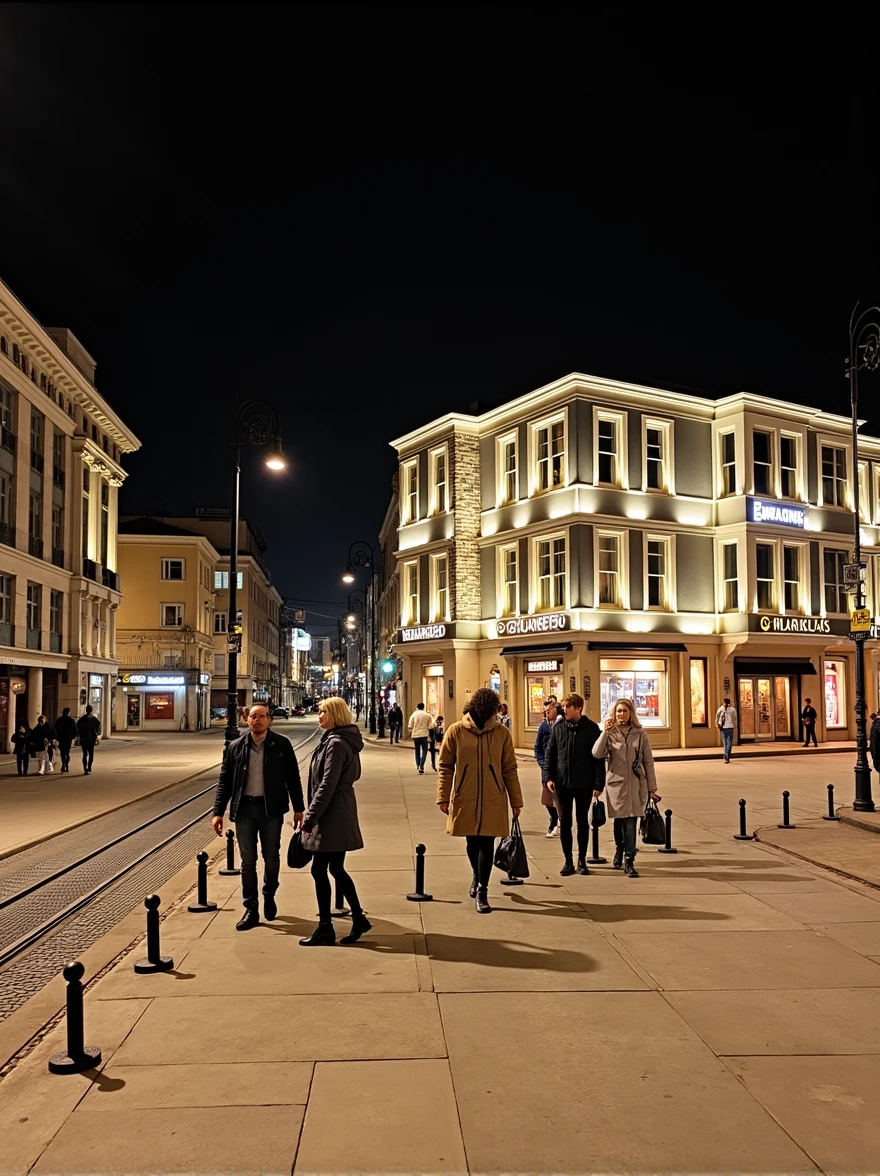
(629, 778)
(477, 778)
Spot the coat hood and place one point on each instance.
(351, 735)
(467, 721)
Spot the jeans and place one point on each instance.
(335, 863)
(727, 740)
(394, 732)
(481, 854)
(580, 800)
(554, 816)
(421, 750)
(625, 835)
(88, 751)
(250, 821)
(64, 752)
(810, 733)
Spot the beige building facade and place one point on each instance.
(61, 449)
(625, 541)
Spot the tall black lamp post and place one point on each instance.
(360, 555)
(357, 619)
(256, 423)
(864, 354)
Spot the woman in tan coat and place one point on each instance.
(629, 778)
(477, 778)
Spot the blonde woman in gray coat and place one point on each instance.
(629, 778)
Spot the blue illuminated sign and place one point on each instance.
(783, 514)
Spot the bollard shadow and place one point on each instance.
(104, 1084)
(469, 949)
(181, 975)
(528, 906)
(603, 913)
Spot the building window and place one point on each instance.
(105, 523)
(35, 523)
(36, 441)
(549, 445)
(6, 409)
(410, 593)
(550, 573)
(765, 576)
(833, 564)
(6, 510)
(609, 570)
(762, 452)
(729, 578)
(609, 442)
(864, 493)
(221, 581)
(833, 476)
(507, 487)
(791, 576)
(728, 463)
(85, 513)
(220, 664)
(788, 466)
(57, 529)
(438, 464)
(175, 569)
(643, 680)
(439, 588)
(835, 694)
(171, 616)
(657, 449)
(56, 607)
(172, 659)
(6, 610)
(508, 604)
(657, 568)
(409, 499)
(158, 706)
(33, 604)
(220, 619)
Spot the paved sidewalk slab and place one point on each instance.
(840, 907)
(861, 937)
(234, 1084)
(663, 914)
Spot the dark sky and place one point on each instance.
(374, 214)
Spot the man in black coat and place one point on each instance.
(88, 728)
(808, 718)
(258, 774)
(65, 729)
(574, 777)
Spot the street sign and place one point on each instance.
(860, 621)
(233, 643)
(859, 635)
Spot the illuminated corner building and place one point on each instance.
(617, 540)
(61, 451)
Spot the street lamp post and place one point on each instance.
(357, 608)
(864, 353)
(360, 555)
(256, 423)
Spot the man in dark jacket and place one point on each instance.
(258, 775)
(574, 777)
(65, 729)
(395, 723)
(88, 728)
(808, 718)
(551, 714)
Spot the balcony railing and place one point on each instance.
(7, 439)
(58, 476)
(7, 534)
(7, 633)
(37, 461)
(55, 642)
(90, 569)
(33, 639)
(149, 658)
(35, 546)
(58, 557)
(110, 579)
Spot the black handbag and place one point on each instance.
(297, 854)
(652, 825)
(598, 816)
(510, 856)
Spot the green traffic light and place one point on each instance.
(387, 667)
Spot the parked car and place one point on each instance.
(280, 712)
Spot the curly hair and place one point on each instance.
(483, 706)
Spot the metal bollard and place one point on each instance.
(667, 848)
(231, 867)
(832, 815)
(594, 859)
(743, 835)
(155, 961)
(786, 823)
(78, 1057)
(202, 904)
(419, 893)
(340, 910)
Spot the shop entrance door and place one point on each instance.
(433, 690)
(538, 688)
(764, 708)
(133, 720)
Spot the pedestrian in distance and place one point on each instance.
(395, 723)
(808, 718)
(725, 721)
(42, 738)
(65, 730)
(476, 783)
(551, 714)
(88, 728)
(21, 743)
(420, 724)
(259, 780)
(330, 827)
(574, 777)
(435, 738)
(504, 716)
(629, 779)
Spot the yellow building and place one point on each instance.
(165, 627)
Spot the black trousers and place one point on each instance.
(64, 752)
(22, 762)
(88, 754)
(577, 801)
(481, 854)
(335, 863)
(810, 733)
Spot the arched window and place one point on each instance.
(4, 346)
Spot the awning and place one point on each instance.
(640, 646)
(528, 650)
(768, 666)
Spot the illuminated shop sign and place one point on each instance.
(544, 623)
(166, 680)
(548, 666)
(795, 624)
(96, 680)
(785, 515)
(425, 633)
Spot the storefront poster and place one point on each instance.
(698, 692)
(835, 702)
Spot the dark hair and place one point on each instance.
(483, 705)
(420, 706)
(66, 710)
(89, 709)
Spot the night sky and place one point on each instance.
(375, 214)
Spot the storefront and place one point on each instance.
(161, 701)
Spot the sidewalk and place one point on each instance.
(720, 1013)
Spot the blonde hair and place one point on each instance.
(633, 717)
(337, 709)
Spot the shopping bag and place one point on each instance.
(510, 856)
(652, 826)
(598, 816)
(297, 855)
(547, 797)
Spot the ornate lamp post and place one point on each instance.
(360, 555)
(864, 354)
(357, 620)
(256, 423)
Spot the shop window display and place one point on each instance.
(645, 681)
(835, 694)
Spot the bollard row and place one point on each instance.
(786, 813)
(78, 1057)
(595, 859)
(743, 835)
(832, 815)
(231, 868)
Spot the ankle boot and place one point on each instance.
(360, 925)
(322, 936)
(617, 860)
(482, 903)
(475, 886)
(582, 866)
(629, 868)
(568, 868)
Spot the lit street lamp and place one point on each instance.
(256, 423)
(360, 555)
(864, 354)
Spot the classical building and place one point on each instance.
(385, 590)
(61, 449)
(620, 540)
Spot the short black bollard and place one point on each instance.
(202, 904)
(155, 961)
(340, 910)
(78, 1057)
(832, 815)
(667, 848)
(510, 880)
(786, 812)
(743, 835)
(231, 867)
(419, 894)
(594, 859)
